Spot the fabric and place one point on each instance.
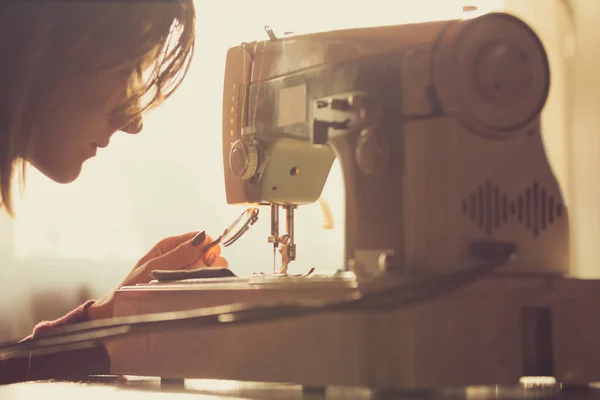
(72, 365)
(200, 273)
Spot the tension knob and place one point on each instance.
(371, 152)
(243, 159)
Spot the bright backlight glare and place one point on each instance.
(530, 381)
(143, 188)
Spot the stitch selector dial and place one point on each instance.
(243, 158)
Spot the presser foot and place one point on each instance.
(284, 275)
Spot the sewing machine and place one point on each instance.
(437, 129)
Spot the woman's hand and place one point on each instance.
(173, 253)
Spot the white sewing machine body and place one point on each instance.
(436, 126)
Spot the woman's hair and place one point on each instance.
(41, 42)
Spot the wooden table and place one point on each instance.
(152, 389)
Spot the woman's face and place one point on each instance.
(77, 121)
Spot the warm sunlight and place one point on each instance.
(168, 179)
(158, 183)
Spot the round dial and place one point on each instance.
(493, 73)
(371, 152)
(243, 159)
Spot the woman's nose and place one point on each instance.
(134, 126)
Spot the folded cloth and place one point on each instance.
(200, 273)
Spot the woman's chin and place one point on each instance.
(62, 175)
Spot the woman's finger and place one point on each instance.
(169, 244)
(186, 253)
(166, 245)
(220, 262)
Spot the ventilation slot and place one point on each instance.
(538, 349)
(489, 208)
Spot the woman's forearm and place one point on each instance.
(71, 365)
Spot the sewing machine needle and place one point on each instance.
(274, 257)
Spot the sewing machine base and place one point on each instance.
(492, 332)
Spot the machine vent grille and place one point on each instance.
(489, 208)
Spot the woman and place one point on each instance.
(71, 75)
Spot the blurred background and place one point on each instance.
(73, 242)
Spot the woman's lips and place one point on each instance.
(94, 148)
(101, 145)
